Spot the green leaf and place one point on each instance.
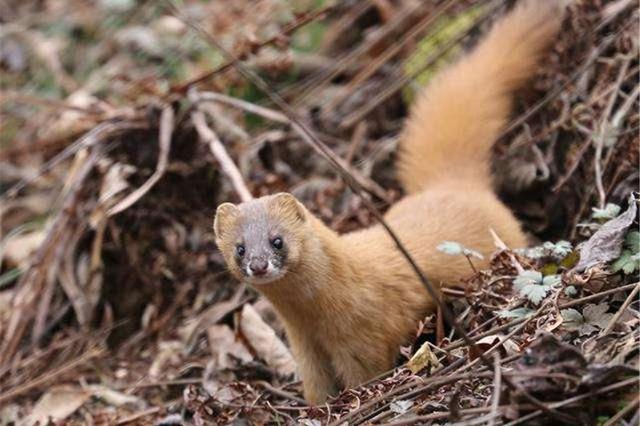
(570, 291)
(551, 280)
(627, 263)
(570, 260)
(516, 313)
(442, 31)
(609, 212)
(526, 278)
(559, 249)
(633, 241)
(549, 269)
(535, 293)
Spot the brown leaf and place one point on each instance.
(423, 358)
(17, 249)
(265, 342)
(222, 343)
(57, 404)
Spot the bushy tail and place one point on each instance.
(457, 118)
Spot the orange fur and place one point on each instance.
(456, 120)
(348, 302)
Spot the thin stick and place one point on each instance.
(221, 154)
(166, 130)
(90, 138)
(270, 114)
(615, 386)
(597, 295)
(50, 376)
(497, 388)
(604, 130)
(623, 308)
(620, 414)
(289, 28)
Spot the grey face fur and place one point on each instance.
(261, 246)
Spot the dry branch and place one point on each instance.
(219, 151)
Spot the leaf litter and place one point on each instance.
(112, 292)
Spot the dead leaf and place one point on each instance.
(10, 415)
(265, 342)
(507, 348)
(17, 249)
(113, 184)
(169, 353)
(606, 244)
(57, 404)
(113, 397)
(190, 332)
(223, 344)
(424, 358)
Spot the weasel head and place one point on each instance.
(262, 239)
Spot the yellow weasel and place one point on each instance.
(348, 302)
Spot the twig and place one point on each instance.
(90, 138)
(620, 414)
(221, 154)
(368, 184)
(139, 415)
(31, 283)
(290, 28)
(50, 376)
(623, 308)
(12, 96)
(428, 382)
(503, 339)
(628, 382)
(559, 90)
(392, 50)
(597, 295)
(497, 388)
(604, 132)
(164, 140)
(401, 80)
(502, 246)
(279, 392)
(343, 63)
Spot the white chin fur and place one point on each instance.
(272, 274)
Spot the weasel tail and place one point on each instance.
(456, 119)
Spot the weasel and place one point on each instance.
(348, 302)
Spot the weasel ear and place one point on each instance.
(226, 214)
(289, 207)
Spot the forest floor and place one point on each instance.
(124, 126)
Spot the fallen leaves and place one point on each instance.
(424, 358)
(606, 244)
(265, 343)
(592, 318)
(57, 404)
(225, 347)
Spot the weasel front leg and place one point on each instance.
(314, 368)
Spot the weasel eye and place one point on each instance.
(277, 243)
(240, 250)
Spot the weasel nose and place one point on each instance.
(258, 266)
